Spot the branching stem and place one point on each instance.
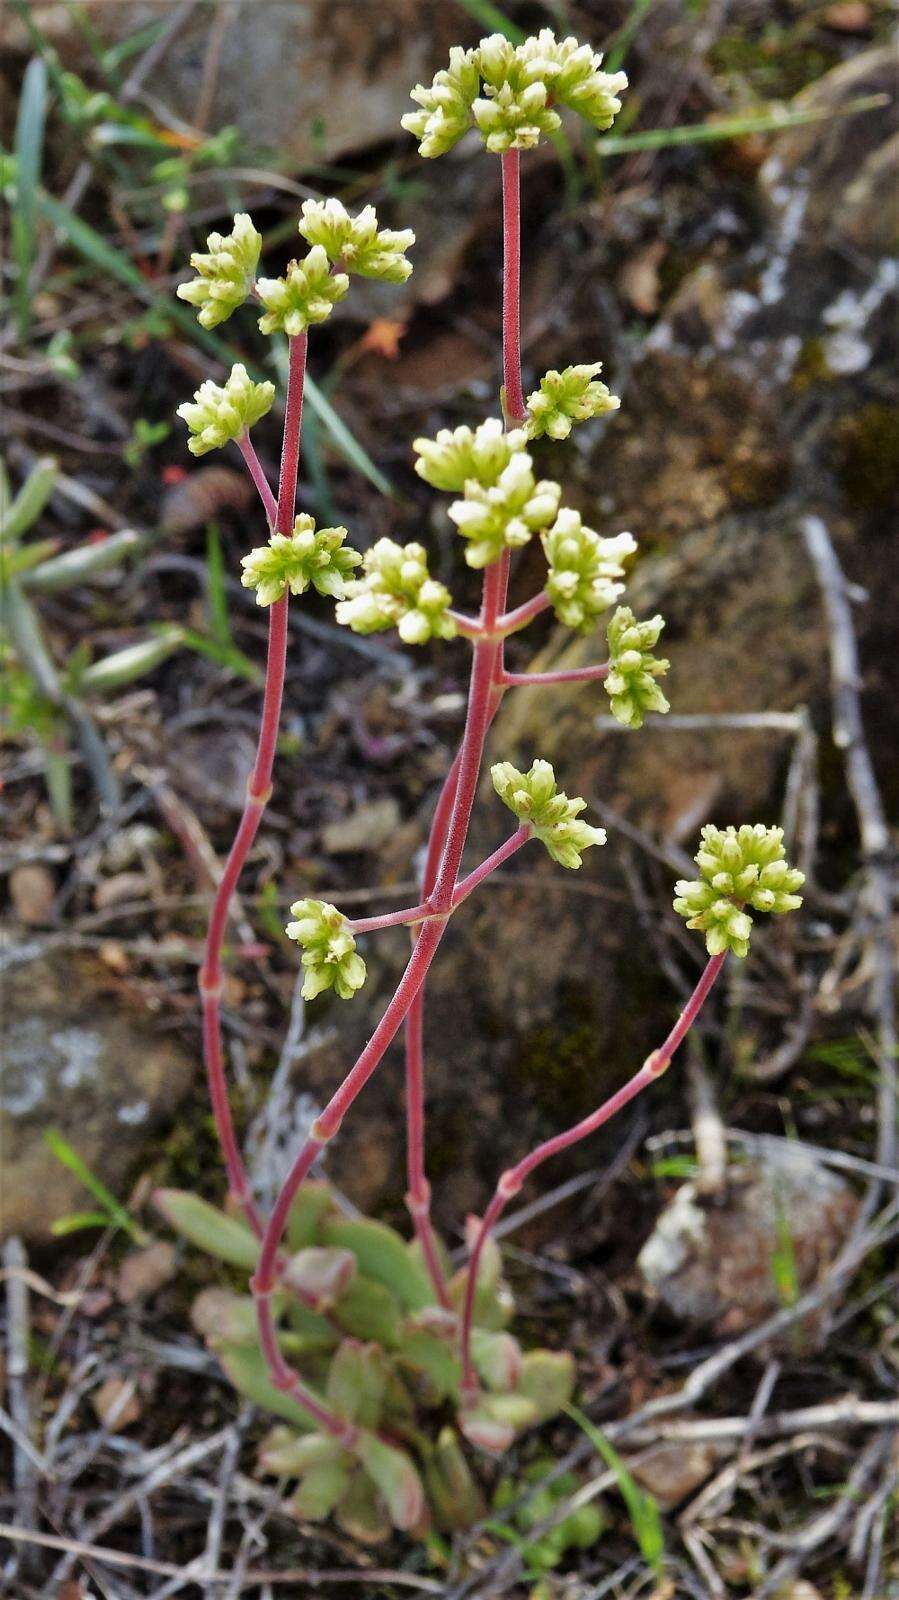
(512, 1180)
(516, 680)
(254, 467)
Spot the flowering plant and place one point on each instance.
(348, 1332)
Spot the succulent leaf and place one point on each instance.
(428, 1354)
(452, 1490)
(245, 1367)
(214, 1232)
(319, 1275)
(288, 1454)
(497, 1358)
(357, 1378)
(322, 1487)
(368, 1310)
(313, 1202)
(383, 1255)
(362, 1513)
(547, 1380)
(395, 1478)
(493, 1423)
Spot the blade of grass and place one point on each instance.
(74, 1221)
(775, 120)
(490, 16)
(94, 248)
(642, 1507)
(19, 617)
(224, 655)
(216, 591)
(28, 147)
(113, 1209)
(627, 32)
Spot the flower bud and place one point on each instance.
(533, 798)
(505, 516)
(564, 398)
(460, 454)
(294, 561)
(306, 294)
(218, 414)
(446, 105)
(329, 948)
(584, 569)
(397, 591)
(357, 243)
(225, 272)
(739, 867)
(633, 668)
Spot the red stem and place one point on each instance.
(390, 919)
(515, 408)
(499, 857)
(418, 1197)
(293, 423)
(511, 1181)
(516, 680)
(254, 467)
(258, 791)
(511, 621)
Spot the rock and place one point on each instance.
(731, 1264)
(815, 168)
(144, 1271)
(81, 1059)
(309, 81)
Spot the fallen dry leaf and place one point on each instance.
(383, 337)
(144, 1271)
(32, 891)
(117, 1403)
(639, 278)
(848, 16)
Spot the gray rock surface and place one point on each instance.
(308, 79)
(729, 1262)
(78, 1057)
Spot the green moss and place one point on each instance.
(776, 62)
(867, 455)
